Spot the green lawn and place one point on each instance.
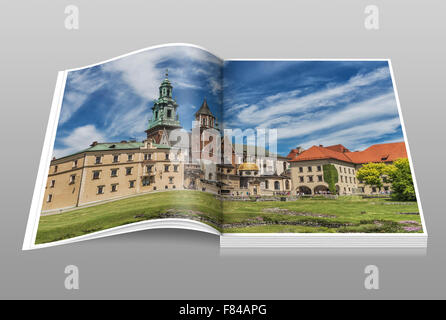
(149, 206)
(345, 214)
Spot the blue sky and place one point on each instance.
(112, 101)
(313, 102)
(308, 102)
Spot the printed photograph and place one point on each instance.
(244, 146)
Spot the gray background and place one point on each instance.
(183, 264)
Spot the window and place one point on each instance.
(345, 170)
(156, 115)
(96, 174)
(276, 185)
(174, 187)
(350, 179)
(319, 178)
(166, 187)
(114, 188)
(310, 178)
(175, 168)
(114, 173)
(130, 157)
(342, 178)
(72, 178)
(287, 184)
(128, 171)
(55, 169)
(131, 183)
(115, 158)
(100, 189)
(301, 179)
(170, 180)
(319, 168)
(166, 168)
(167, 156)
(146, 181)
(310, 169)
(266, 184)
(98, 160)
(53, 182)
(301, 169)
(74, 163)
(147, 156)
(149, 168)
(50, 198)
(154, 188)
(210, 176)
(169, 113)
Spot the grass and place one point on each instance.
(345, 214)
(112, 214)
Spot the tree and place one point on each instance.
(400, 175)
(371, 174)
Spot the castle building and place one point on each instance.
(307, 167)
(114, 170)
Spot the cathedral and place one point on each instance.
(116, 170)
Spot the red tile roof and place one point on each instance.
(385, 152)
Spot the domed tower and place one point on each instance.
(164, 114)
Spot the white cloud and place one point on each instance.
(355, 136)
(380, 106)
(78, 140)
(330, 96)
(141, 70)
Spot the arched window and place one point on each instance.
(287, 184)
(276, 185)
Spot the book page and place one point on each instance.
(319, 146)
(121, 146)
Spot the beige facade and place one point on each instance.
(99, 174)
(308, 178)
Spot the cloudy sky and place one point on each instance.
(313, 102)
(112, 101)
(308, 102)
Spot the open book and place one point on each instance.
(262, 153)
